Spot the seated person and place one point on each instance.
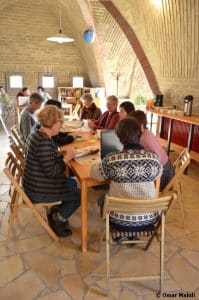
(135, 171)
(27, 119)
(4, 100)
(42, 92)
(25, 92)
(62, 138)
(150, 143)
(126, 108)
(89, 110)
(110, 118)
(43, 177)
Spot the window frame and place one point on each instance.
(41, 75)
(10, 74)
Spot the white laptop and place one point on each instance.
(23, 100)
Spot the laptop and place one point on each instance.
(109, 142)
(23, 100)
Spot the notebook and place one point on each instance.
(109, 142)
(85, 151)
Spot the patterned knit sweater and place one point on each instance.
(132, 173)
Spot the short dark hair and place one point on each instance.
(113, 98)
(1, 86)
(53, 102)
(128, 106)
(87, 96)
(36, 98)
(140, 116)
(41, 88)
(128, 131)
(24, 89)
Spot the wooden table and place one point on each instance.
(192, 120)
(82, 172)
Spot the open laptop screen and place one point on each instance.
(23, 100)
(109, 142)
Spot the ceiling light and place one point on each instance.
(60, 37)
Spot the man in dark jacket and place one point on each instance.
(89, 110)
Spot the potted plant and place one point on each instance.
(140, 101)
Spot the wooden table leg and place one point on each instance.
(189, 142)
(84, 214)
(151, 122)
(169, 135)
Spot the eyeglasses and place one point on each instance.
(61, 121)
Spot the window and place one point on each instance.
(78, 82)
(15, 81)
(48, 81)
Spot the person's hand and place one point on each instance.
(91, 124)
(70, 154)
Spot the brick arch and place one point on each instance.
(133, 40)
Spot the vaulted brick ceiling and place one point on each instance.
(111, 51)
(168, 31)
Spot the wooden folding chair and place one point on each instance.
(154, 233)
(17, 138)
(17, 151)
(76, 110)
(131, 206)
(19, 198)
(174, 184)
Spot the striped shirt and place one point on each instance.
(44, 167)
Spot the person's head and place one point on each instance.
(40, 89)
(87, 100)
(26, 91)
(35, 101)
(51, 118)
(53, 102)
(112, 103)
(128, 131)
(140, 116)
(126, 108)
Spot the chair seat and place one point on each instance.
(46, 204)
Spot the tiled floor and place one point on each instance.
(32, 266)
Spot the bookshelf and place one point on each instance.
(70, 95)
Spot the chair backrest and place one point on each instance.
(17, 151)
(13, 166)
(17, 138)
(16, 171)
(179, 165)
(133, 206)
(76, 109)
(157, 185)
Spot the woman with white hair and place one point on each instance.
(43, 178)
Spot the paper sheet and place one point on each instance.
(89, 159)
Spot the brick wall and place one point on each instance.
(168, 34)
(24, 27)
(118, 56)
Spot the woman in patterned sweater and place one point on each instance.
(43, 178)
(132, 173)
